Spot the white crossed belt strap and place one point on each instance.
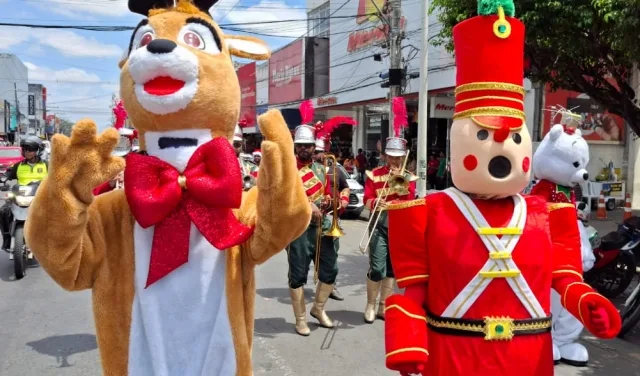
(500, 260)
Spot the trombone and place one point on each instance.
(397, 184)
(334, 230)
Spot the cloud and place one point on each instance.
(264, 11)
(82, 8)
(68, 43)
(74, 94)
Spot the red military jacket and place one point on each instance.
(553, 192)
(314, 180)
(375, 186)
(432, 244)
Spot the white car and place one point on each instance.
(356, 197)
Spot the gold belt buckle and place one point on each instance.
(498, 328)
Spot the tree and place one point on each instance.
(65, 127)
(587, 46)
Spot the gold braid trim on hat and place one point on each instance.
(475, 86)
(490, 111)
(520, 101)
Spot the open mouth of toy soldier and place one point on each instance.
(499, 167)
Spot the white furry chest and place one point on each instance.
(180, 324)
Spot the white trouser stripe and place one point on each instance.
(465, 299)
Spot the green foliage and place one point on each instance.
(572, 44)
(65, 127)
(488, 7)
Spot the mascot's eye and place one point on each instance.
(517, 138)
(483, 134)
(146, 39)
(576, 164)
(194, 40)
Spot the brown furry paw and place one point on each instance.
(85, 159)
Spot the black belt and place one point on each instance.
(491, 328)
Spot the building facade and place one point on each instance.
(14, 90)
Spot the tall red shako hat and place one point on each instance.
(489, 51)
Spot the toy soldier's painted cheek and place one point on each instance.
(470, 162)
(526, 163)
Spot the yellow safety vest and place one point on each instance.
(27, 173)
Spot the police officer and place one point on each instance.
(302, 251)
(31, 169)
(380, 277)
(343, 189)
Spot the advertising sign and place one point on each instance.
(7, 116)
(32, 104)
(597, 124)
(247, 78)
(44, 103)
(442, 107)
(286, 67)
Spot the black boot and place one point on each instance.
(6, 242)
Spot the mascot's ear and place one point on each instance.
(247, 47)
(123, 59)
(577, 133)
(144, 6)
(556, 131)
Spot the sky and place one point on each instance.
(80, 68)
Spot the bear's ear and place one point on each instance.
(247, 47)
(577, 132)
(556, 131)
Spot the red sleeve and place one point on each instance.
(542, 188)
(369, 191)
(102, 188)
(407, 242)
(576, 295)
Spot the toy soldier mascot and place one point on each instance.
(323, 144)
(478, 261)
(311, 245)
(382, 186)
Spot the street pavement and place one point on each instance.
(47, 331)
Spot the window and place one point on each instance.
(318, 21)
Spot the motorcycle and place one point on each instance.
(19, 198)
(616, 255)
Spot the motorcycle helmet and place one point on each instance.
(584, 211)
(32, 142)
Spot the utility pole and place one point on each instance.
(423, 104)
(395, 57)
(15, 92)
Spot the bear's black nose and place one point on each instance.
(499, 167)
(585, 176)
(161, 46)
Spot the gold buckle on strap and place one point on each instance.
(498, 328)
(499, 231)
(500, 274)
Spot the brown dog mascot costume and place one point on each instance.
(171, 258)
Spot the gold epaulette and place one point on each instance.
(369, 174)
(407, 204)
(561, 205)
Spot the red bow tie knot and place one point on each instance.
(205, 195)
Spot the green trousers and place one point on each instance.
(379, 258)
(302, 252)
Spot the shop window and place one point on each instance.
(318, 21)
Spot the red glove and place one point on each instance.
(405, 332)
(599, 316)
(599, 319)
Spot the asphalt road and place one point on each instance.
(47, 331)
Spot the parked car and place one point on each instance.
(356, 197)
(9, 155)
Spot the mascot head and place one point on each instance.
(490, 143)
(177, 74)
(562, 157)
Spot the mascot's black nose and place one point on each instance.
(161, 46)
(585, 176)
(499, 167)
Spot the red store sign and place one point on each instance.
(285, 74)
(247, 78)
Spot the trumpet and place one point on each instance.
(334, 230)
(398, 184)
(248, 181)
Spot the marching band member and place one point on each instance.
(478, 260)
(380, 277)
(302, 251)
(238, 142)
(323, 144)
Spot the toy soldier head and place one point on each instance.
(490, 143)
(237, 140)
(318, 155)
(395, 151)
(305, 134)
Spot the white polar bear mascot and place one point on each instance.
(559, 163)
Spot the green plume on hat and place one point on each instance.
(490, 7)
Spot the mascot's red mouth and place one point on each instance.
(163, 86)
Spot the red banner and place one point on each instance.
(285, 74)
(597, 123)
(247, 78)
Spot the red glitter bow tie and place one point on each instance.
(205, 194)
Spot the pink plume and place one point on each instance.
(307, 111)
(400, 119)
(120, 114)
(133, 136)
